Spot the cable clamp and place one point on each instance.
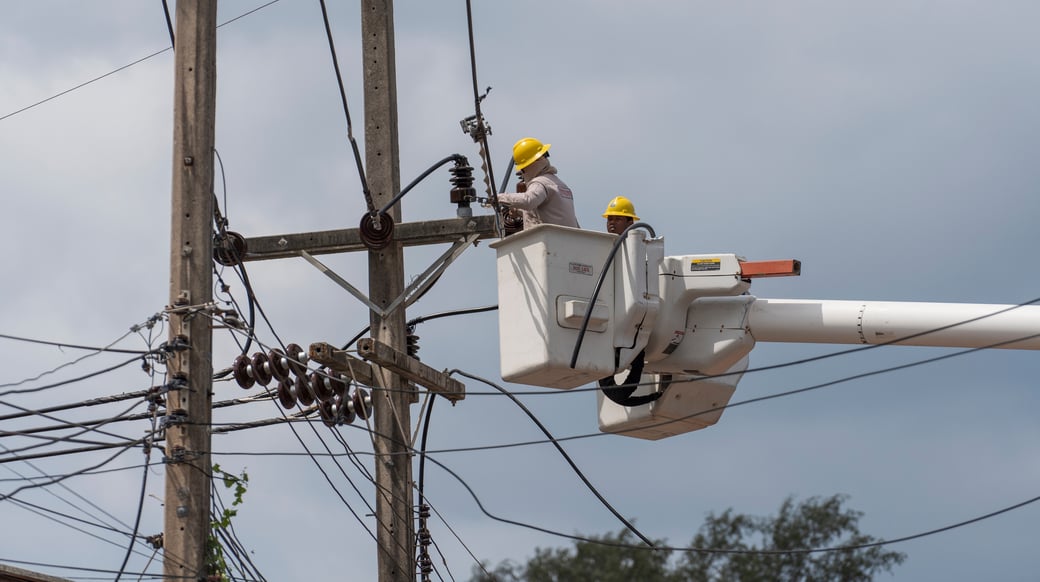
(149, 324)
(180, 455)
(173, 419)
(178, 344)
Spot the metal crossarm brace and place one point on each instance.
(411, 369)
(414, 291)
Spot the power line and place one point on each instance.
(169, 26)
(126, 447)
(71, 346)
(736, 551)
(124, 67)
(144, 485)
(70, 380)
(86, 428)
(133, 329)
(346, 111)
(562, 452)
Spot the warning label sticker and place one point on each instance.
(714, 264)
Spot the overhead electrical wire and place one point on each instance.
(133, 329)
(81, 404)
(494, 517)
(96, 570)
(126, 445)
(169, 24)
(845, 548)
(42, 512)
(124, 67)
(138, 416)
(346, 111)
(55, 516)
(53, 480)
(65, 487)
(71, 346)
(69, 438)
(154, 409)
(88, 473)
(65, 382)
(563, 453)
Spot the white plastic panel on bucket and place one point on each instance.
(689, 403)
(540, 272)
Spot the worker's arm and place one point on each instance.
(529, 200)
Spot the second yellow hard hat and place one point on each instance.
(621, 206)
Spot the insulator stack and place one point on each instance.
(297, 385)
(462, 182)
(412, 343)
(425, 539)
(261, 368)
(425, 566)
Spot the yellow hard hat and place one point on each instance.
(621, 206)
(527, 150)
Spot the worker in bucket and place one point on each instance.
(546, 199)
(620, 214)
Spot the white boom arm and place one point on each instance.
(952, 325)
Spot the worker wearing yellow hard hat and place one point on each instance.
(545, 198)
(620, 214)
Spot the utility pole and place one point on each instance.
(387, 368)
(188, 414)
(393, 461)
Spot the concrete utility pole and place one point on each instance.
(386, 367)
(188, 468)
(393, 462)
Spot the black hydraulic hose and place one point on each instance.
(599, 285)
(622, 394)
(415, 182)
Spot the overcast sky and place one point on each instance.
(890, 146)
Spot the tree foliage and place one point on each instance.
(754, 549)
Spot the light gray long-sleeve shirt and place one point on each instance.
(548, 200)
